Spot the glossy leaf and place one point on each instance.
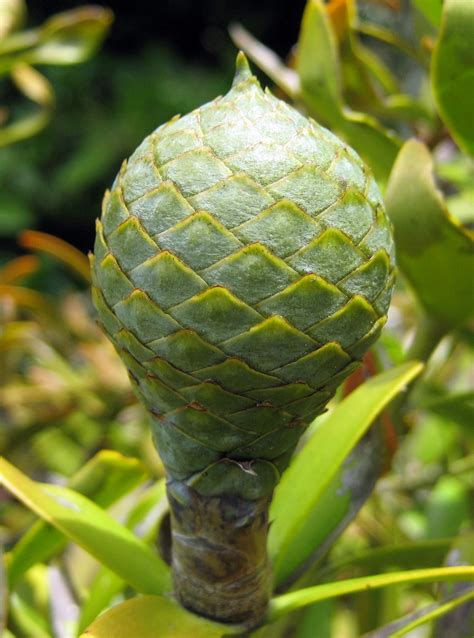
(342, 500)
(142, 521)
(453, 70)
(91, 528)
(104, 479)
(287, 603)
(435, 253)
(295, 508)
(153, 617)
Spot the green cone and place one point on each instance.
(242, 267)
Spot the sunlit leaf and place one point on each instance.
(68, 254)
(287, 603)
(434, 252)
(154, 617)
(295, 508)
(453, 70)
(92, 528)
(141, 520)
(104, 479)
(12, 15)
(341, 501)
(33, 84)
(71, 37)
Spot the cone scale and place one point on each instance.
(242, 267)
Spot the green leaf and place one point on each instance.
(104, 479)
(434, 252)
(12, 16)
(150, 509)
(431, 9)
(447, 507)
(318, 67)
(377, 146)
(452, 71)
(404, 625)
(341, 501)
(416, 554)
(295, 507)
(287, 603)
(71, 37)
(91, 528)
(153, 617)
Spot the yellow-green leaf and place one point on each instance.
(153, 617)
(92, 528)
(295, 508)
(104, 479)
(287, 603)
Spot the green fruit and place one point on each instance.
(243, 265)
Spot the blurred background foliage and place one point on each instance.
(64, 395)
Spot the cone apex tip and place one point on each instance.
(242, 69)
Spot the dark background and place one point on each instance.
(195, 29)
(160, 58)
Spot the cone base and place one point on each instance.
(219, 557)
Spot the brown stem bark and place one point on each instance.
(219, 557)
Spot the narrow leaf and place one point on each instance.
(141, 520)
(266, 59)
(287, 603)
(71, 256)
(104, 479)
(431, 612)
(340, 503)
(309, 476)
(91, 528)
(416, 554)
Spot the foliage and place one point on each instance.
(65, 396)
(66, 38)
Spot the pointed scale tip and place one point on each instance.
(242, 69)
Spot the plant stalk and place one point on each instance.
(219, 555)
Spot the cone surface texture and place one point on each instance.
(243, 266)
